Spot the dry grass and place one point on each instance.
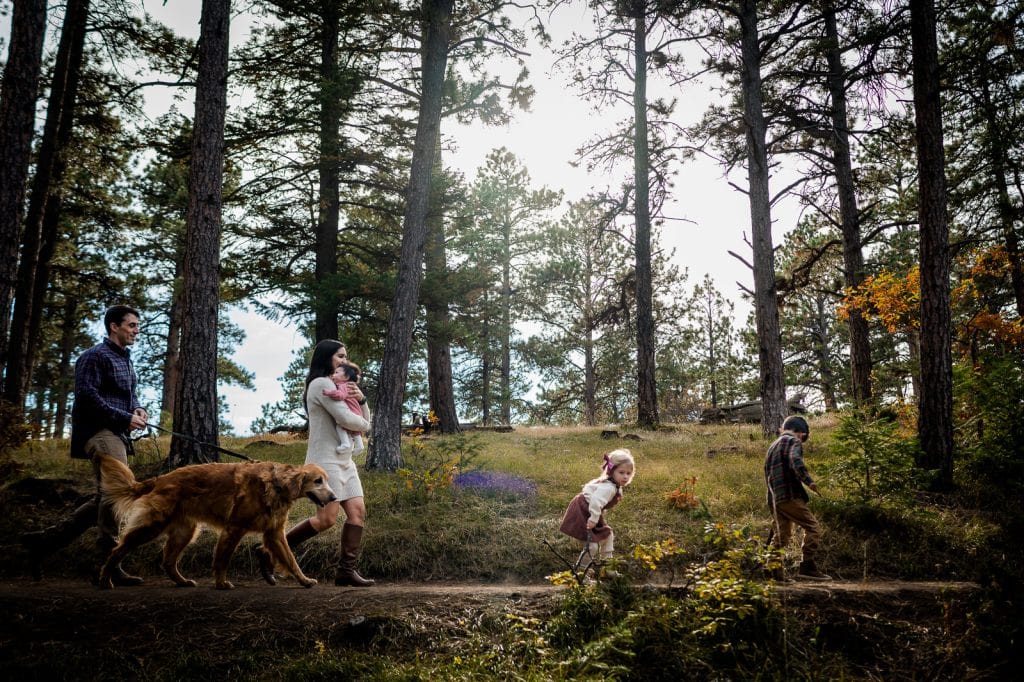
(465, 535)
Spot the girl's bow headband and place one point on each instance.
(608, 466)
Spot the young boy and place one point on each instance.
(785, 474)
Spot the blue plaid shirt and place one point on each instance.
(784, 470)
(105, 397)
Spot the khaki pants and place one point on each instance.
(106, 442)
(796, 512)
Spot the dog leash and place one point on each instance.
(199, 442)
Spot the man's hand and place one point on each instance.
(590, 524)
(139, 419)
(814, 487)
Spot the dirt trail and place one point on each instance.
(62, 603)
(61, 622)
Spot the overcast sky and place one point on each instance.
(709, 218)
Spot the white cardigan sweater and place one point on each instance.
(325, 414)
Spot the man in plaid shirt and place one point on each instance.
(786, 475)
(106, 410)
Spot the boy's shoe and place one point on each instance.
(809, 571)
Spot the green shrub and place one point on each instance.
(990, 431)
(871, 460)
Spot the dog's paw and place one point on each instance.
(309, 582)
(226, 585)
(105, 583)
(186, 583)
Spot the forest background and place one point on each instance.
(306, 186)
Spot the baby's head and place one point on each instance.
(346, 372)
(619, 466)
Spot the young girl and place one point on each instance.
(586, 511)
(344, 377)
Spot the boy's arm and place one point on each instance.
(796, 462)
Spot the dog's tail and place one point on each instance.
(118, 485)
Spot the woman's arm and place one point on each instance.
(343, 416)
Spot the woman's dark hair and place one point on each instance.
(321, 364)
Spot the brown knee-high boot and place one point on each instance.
(351, 541)
(295, 537)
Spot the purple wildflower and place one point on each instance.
(495, 482)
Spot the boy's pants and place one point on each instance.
(796, 512)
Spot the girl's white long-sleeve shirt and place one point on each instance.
(599, 493)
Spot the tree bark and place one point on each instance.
(821, 337)
(18, 95)
(485, 372)
(1007, 212)
(64, 384)
(712, 357)
(196, 409)
(647, 387)
(766, 311)
(326, 299)
(935, 415)
(172, 355)
(589, 368)
(439, 352)
(386, 450)
(505, 372)
(849, 215)
(42, 220)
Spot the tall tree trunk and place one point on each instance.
(647, 387)
(589, 370)
(326, 298)
(42, 221)
(766, 310)
(64, 384)
(386, 452)
(935, 415)
(18, 95)
(439, 352)
(825, 374)
(195, 410)
(41, 283)
(914, 359)
(997, 158)
(505, 376)
(853, 256)
(712, 358)
(589, 380)
(172, 353)
(485, 374)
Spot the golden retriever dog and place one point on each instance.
(236, 499)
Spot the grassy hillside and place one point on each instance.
(422, 527)
(478, 508)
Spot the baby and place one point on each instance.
(344, 377)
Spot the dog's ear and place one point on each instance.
(295, 478)
(275, 485)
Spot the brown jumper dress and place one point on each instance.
(574, 520)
